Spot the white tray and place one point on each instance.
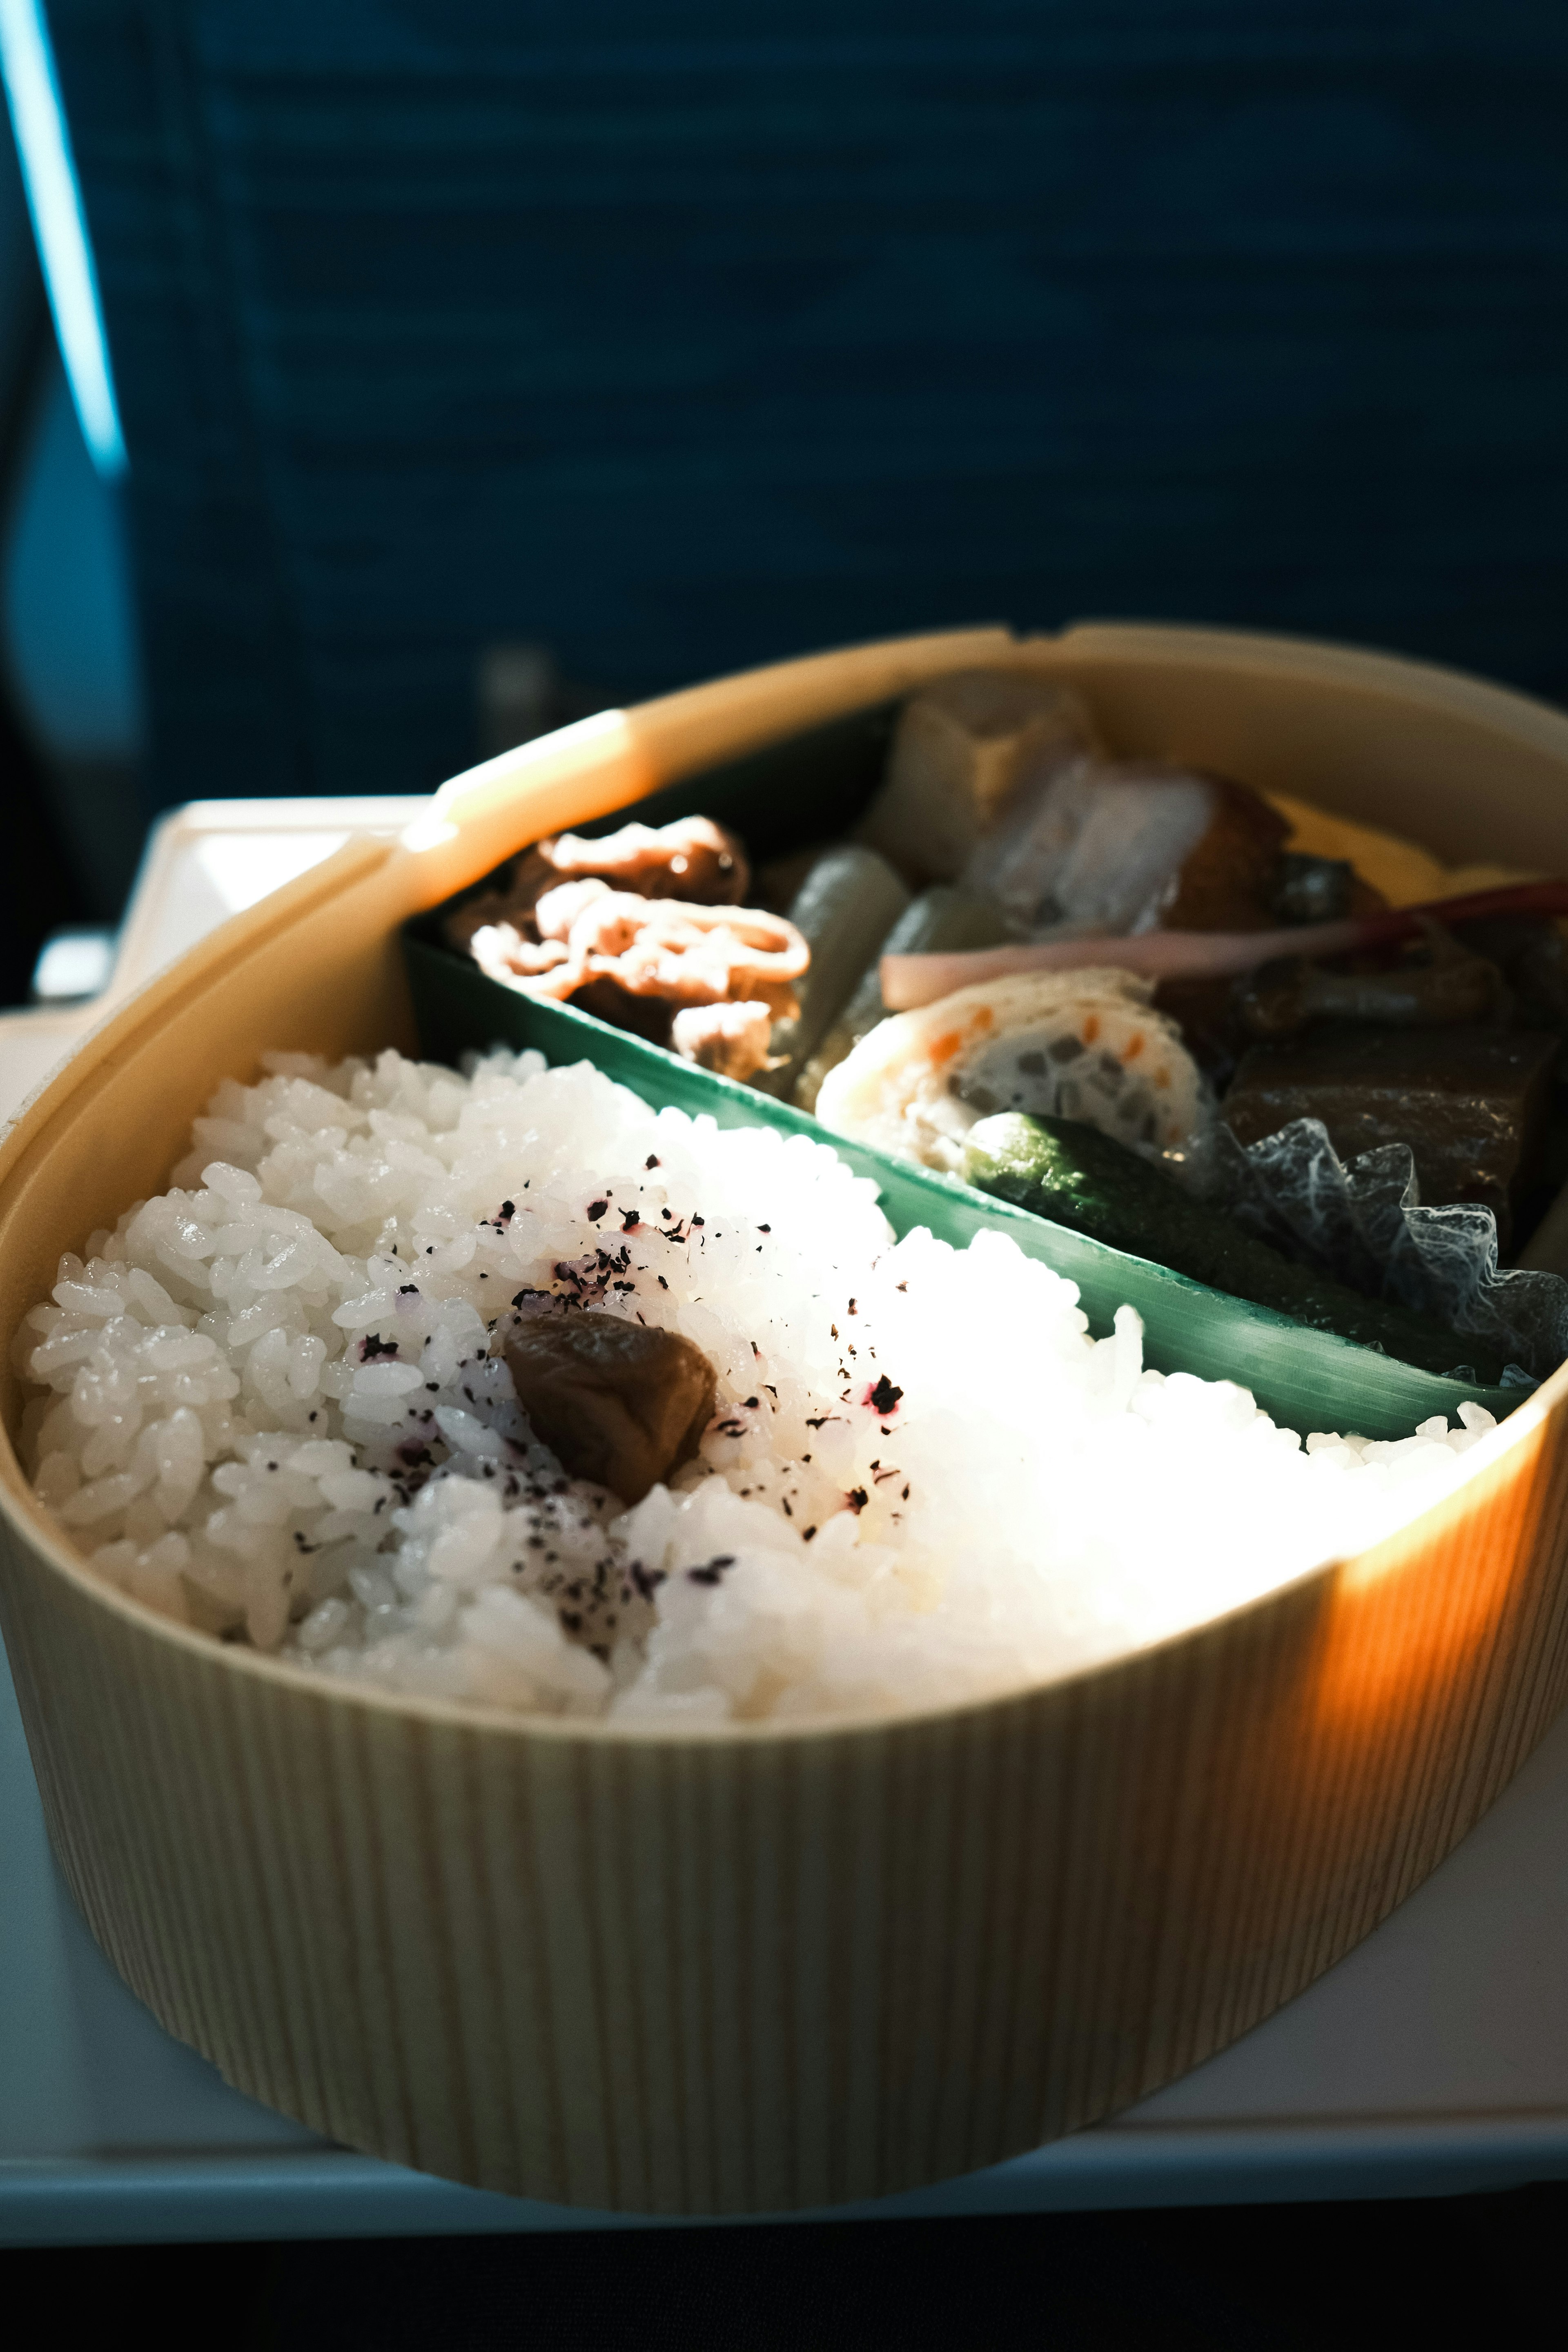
(202, 863)
(1434, 2059)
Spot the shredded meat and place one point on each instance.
(501, 948)
(693, 859)
(655, 948)
(732, 1039)
(690, 955)
(641, 928)
(558, 908)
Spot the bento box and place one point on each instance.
(783, 1964)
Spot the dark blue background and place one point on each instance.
(685, 336)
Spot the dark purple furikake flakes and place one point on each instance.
(711, 1570)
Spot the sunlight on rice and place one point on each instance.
(270, 1413)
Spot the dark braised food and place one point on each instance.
(1470, 1102)
(1313, 889)
(1226, 881)
(1447, 987)
(1533, 957)
(621, 1404)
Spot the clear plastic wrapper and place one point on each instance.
(1364, 1224)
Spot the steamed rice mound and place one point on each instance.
(271, 1413)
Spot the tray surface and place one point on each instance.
(1435, 2058)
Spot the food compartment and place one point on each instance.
(1312, 1365)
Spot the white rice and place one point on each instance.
(223, 1442)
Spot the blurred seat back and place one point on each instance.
(678, 340)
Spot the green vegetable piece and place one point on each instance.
(1068, 1173)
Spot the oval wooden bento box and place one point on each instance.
(781, 1967)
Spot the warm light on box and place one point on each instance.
(772, 1967)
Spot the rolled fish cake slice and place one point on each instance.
(1071, 1044)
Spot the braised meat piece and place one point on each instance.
(1226, 880)
(1226, 883)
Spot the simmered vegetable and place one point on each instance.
(964, 748)
(844, 910)
(940, 919)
